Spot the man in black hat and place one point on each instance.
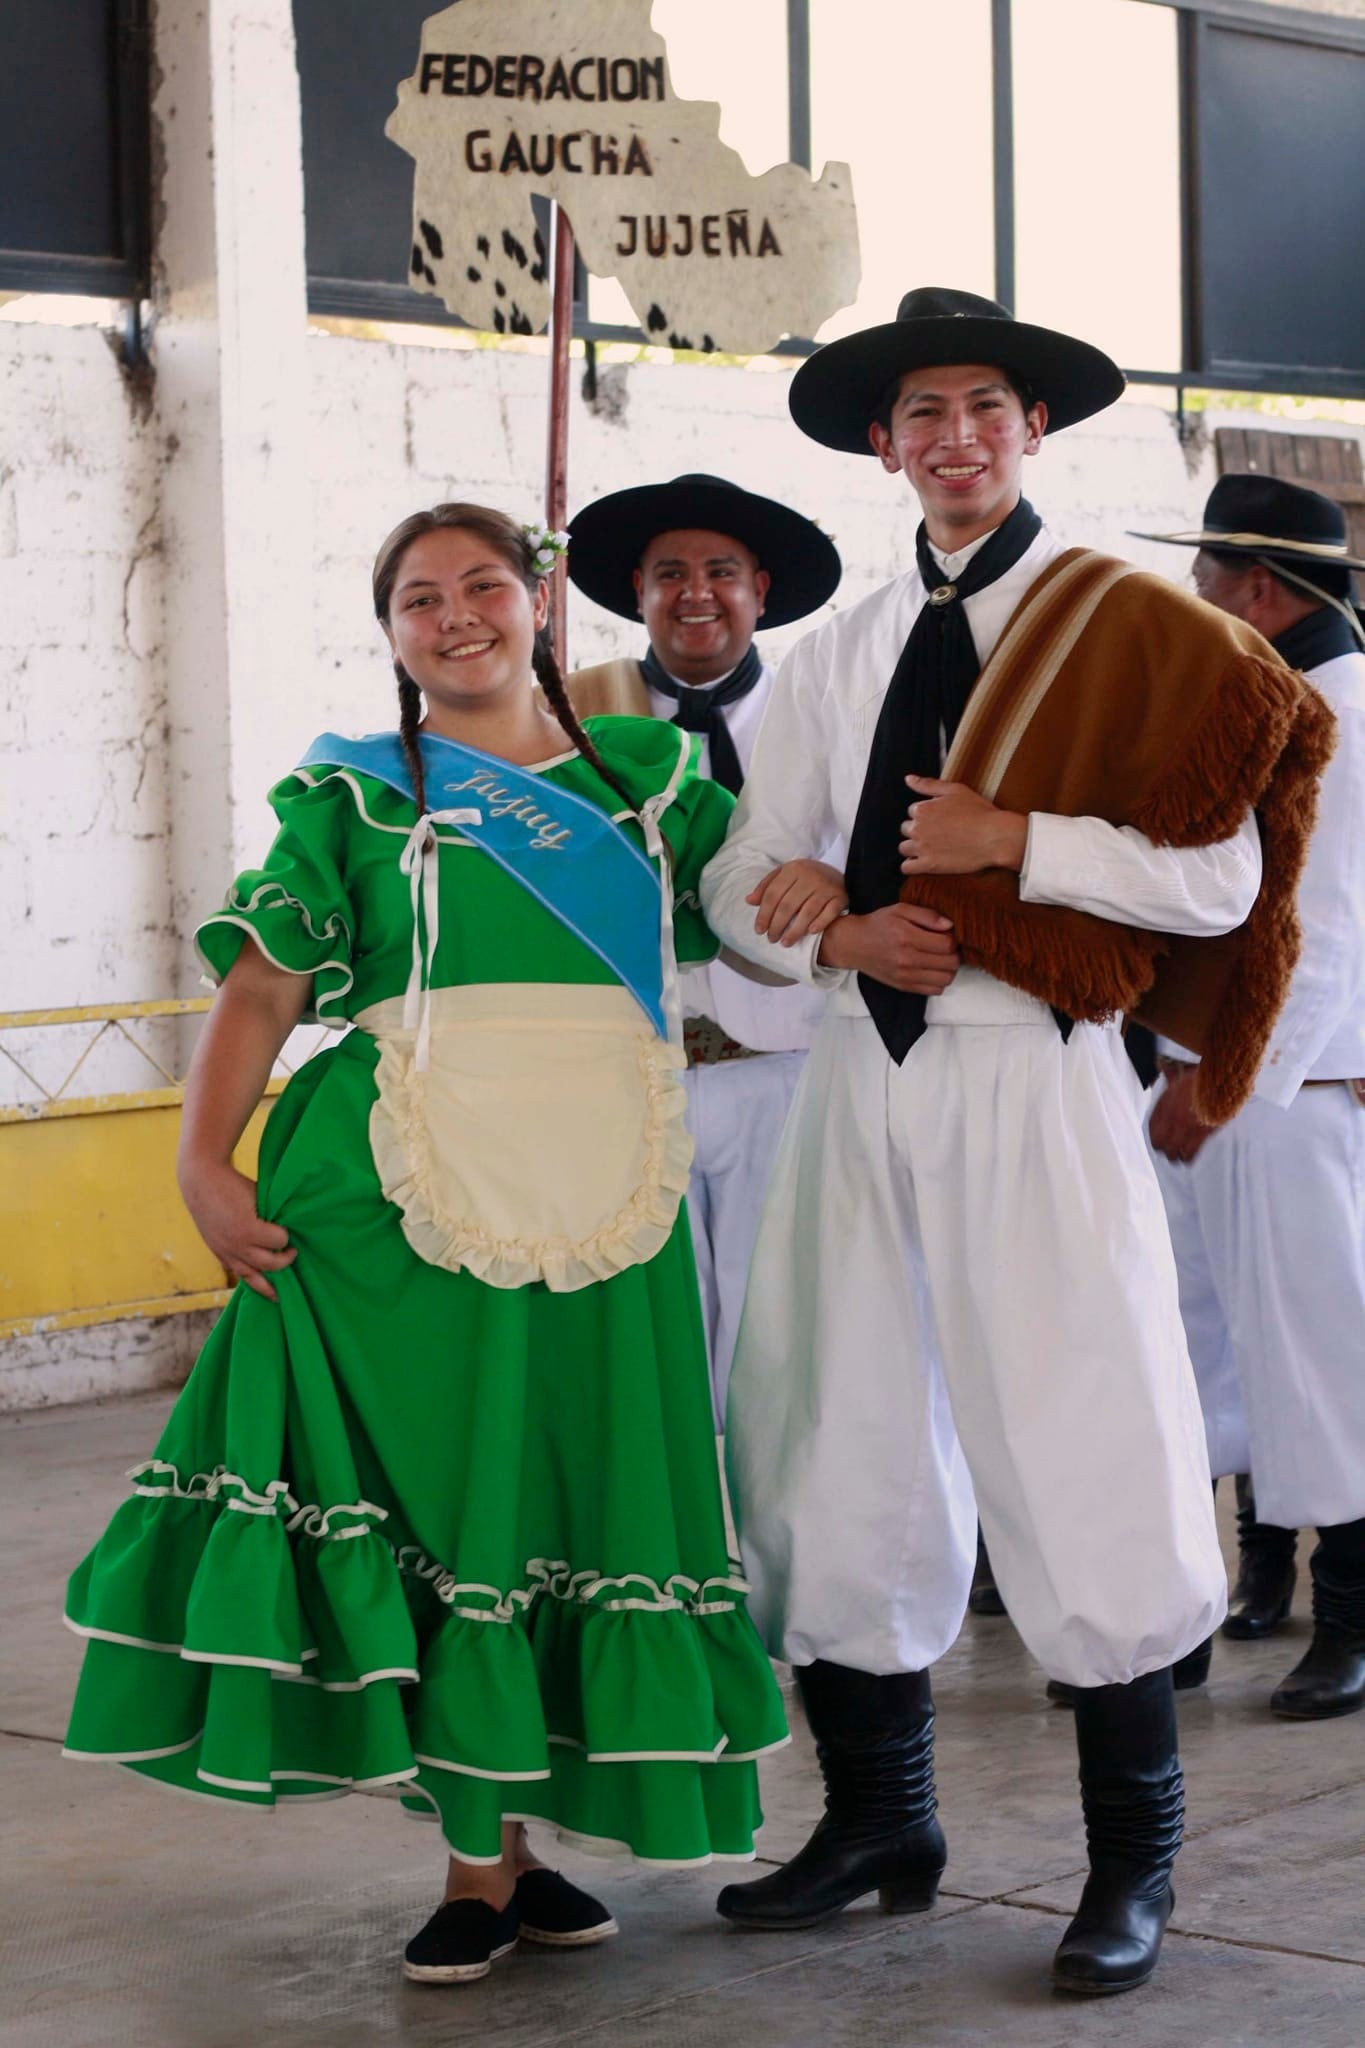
(703, 562)
(1268, 1215)
(963, 1281)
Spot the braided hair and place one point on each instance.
(509, 540)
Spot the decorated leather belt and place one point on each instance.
(1171, 1068)
(706, 1045)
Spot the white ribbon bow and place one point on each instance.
(420, 862)
(649, 814)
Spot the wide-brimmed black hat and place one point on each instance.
(1267, 519)
(836, 394)
(608, 538)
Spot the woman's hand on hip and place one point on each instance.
(223, 1205)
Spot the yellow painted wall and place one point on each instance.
(92, 1227)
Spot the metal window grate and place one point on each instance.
(29, 1040)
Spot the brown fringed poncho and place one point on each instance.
(1114, 695)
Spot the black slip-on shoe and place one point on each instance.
(461, 1941)
(558, 1915)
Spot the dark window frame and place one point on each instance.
(1288, 24)
(1203, 20)
(397, 303)
(127, 275)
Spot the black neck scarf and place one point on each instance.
(1319, 637)
(928, 693)
(700, 706)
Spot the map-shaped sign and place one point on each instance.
(572, 100)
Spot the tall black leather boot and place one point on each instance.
(1266, 1572)
(1330, 1679)
(1133, 1795)
(874, 1738)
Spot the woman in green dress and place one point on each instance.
(438, 1511)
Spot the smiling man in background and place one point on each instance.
(704, 563)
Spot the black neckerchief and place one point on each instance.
(1320, 636)
(700, 705)
(928, 693)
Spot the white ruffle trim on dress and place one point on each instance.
(157, 1480)
(554, 1578)
(545, 1139)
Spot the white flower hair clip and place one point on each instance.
(547, 546)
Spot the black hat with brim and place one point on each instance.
(608, 538)
(838, 392)
(1266, 518)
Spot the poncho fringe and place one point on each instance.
(1167, 716)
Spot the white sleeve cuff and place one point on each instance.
(1278, 1085)
(1047, 875)
(819, 975)
(1116, 872)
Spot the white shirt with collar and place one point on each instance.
(806, 777)
(1320, 1033)
(742, 718)
(763, 1018)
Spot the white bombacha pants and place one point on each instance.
(735, 1111)
(1206, 1326)
(1268, 1225)
(963, 1286)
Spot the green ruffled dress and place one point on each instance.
(410, 1530)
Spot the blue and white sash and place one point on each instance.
(565, 852)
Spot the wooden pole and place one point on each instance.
(557, 449)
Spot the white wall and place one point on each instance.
(83, 799)
(85, 907)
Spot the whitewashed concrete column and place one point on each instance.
(232, 391)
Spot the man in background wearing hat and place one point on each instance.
(1268, 1214)
(963, 1280)
(702, 562)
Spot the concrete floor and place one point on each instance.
(132, 1916)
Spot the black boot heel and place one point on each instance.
(1133, 1795)
(1261, 1599)
(911, 1895)
(874, 1740)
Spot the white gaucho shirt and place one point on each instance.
(763, 1018)
(1320, 1033)
(806, 776)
